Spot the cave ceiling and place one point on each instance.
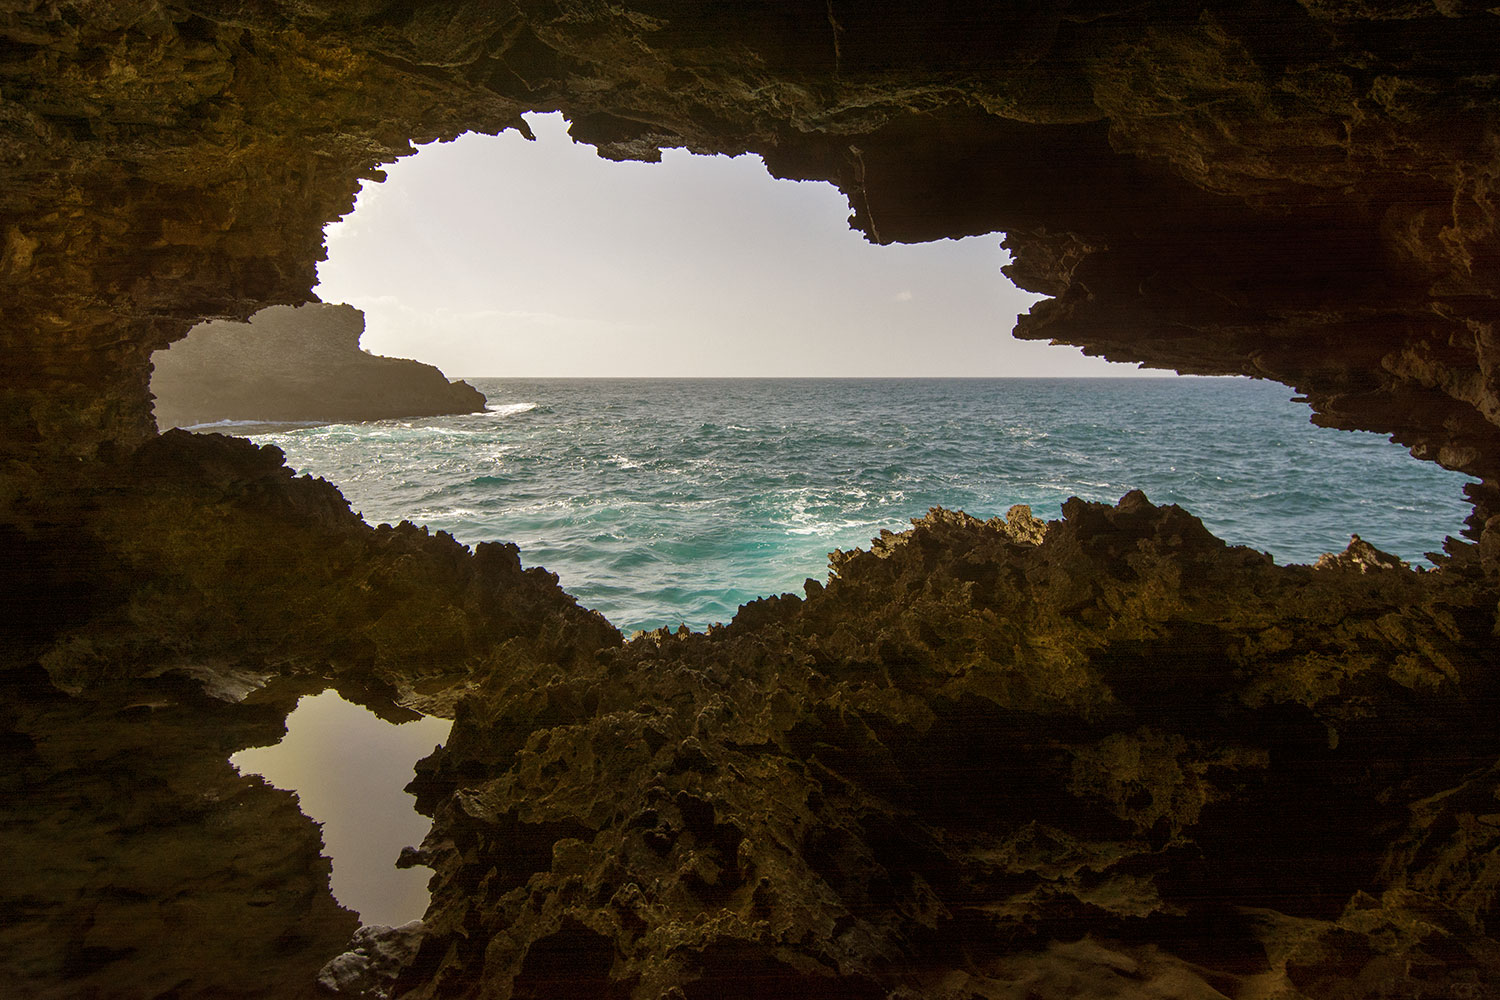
(1109, 756)
(1295, 191)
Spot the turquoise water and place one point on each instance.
(668, 501)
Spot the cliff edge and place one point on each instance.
(295, 363)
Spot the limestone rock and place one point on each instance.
(940, 766)
(1117, 757)
(1023, 526)
(1360, 556)
(301, 364)
(369, 968)
(207, 558)
(181, 604)
(138, 863)
(1304, 194)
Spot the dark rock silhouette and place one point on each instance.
(138, 862)
(295, 364)
(1111, 758)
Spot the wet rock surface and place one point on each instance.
(138, 863)
(301, 364)
(168, 611)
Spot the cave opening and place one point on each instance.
(699, 382)
(495, 256)
(165, 165)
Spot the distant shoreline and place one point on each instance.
(847, 378)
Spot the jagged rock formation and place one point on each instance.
(1300, 191)
(295, 364)
(138, 863)
(164, 612)
(1116, 759)
(375, 958)
(202, 555)
(985, 760)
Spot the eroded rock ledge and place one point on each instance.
(203, 555)
(1106, 756)
(1114, 757)
(1301, 191)
(302, 364)
(164, 611)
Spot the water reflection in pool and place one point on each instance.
(348, 768)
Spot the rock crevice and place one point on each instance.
(1111, 757)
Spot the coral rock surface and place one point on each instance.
(1105, 757)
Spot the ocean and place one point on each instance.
(662, 502)
(674, 501)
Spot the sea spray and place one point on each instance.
(667, 501)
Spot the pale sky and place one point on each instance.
(348, 768)
(495, 256)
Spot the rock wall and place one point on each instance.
(1106, 757)
(139, 863)
(164, 611)
(1299, 191)
(202, 554)
(299, 363)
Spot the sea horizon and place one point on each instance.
(671, 500)
(1166, 376)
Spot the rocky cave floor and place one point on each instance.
(1106, 756)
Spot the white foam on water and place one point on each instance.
(508, 409)
(422, 516)
(228, 424)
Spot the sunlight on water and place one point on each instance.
(659, 501)
(348, 767)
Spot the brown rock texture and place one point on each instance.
(203, 554)
(165, 611)
(1108, 758)
(1298, 191)
(295, 364)
(1119, 759)
(138, 863)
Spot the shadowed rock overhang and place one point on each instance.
(1109, 756)
(1297, 191)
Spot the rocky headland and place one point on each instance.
(295, 364)
(1105, 757)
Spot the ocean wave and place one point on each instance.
(731, 495)
(509, 409)
(830, 528)
(215, 424)
(423, 516)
